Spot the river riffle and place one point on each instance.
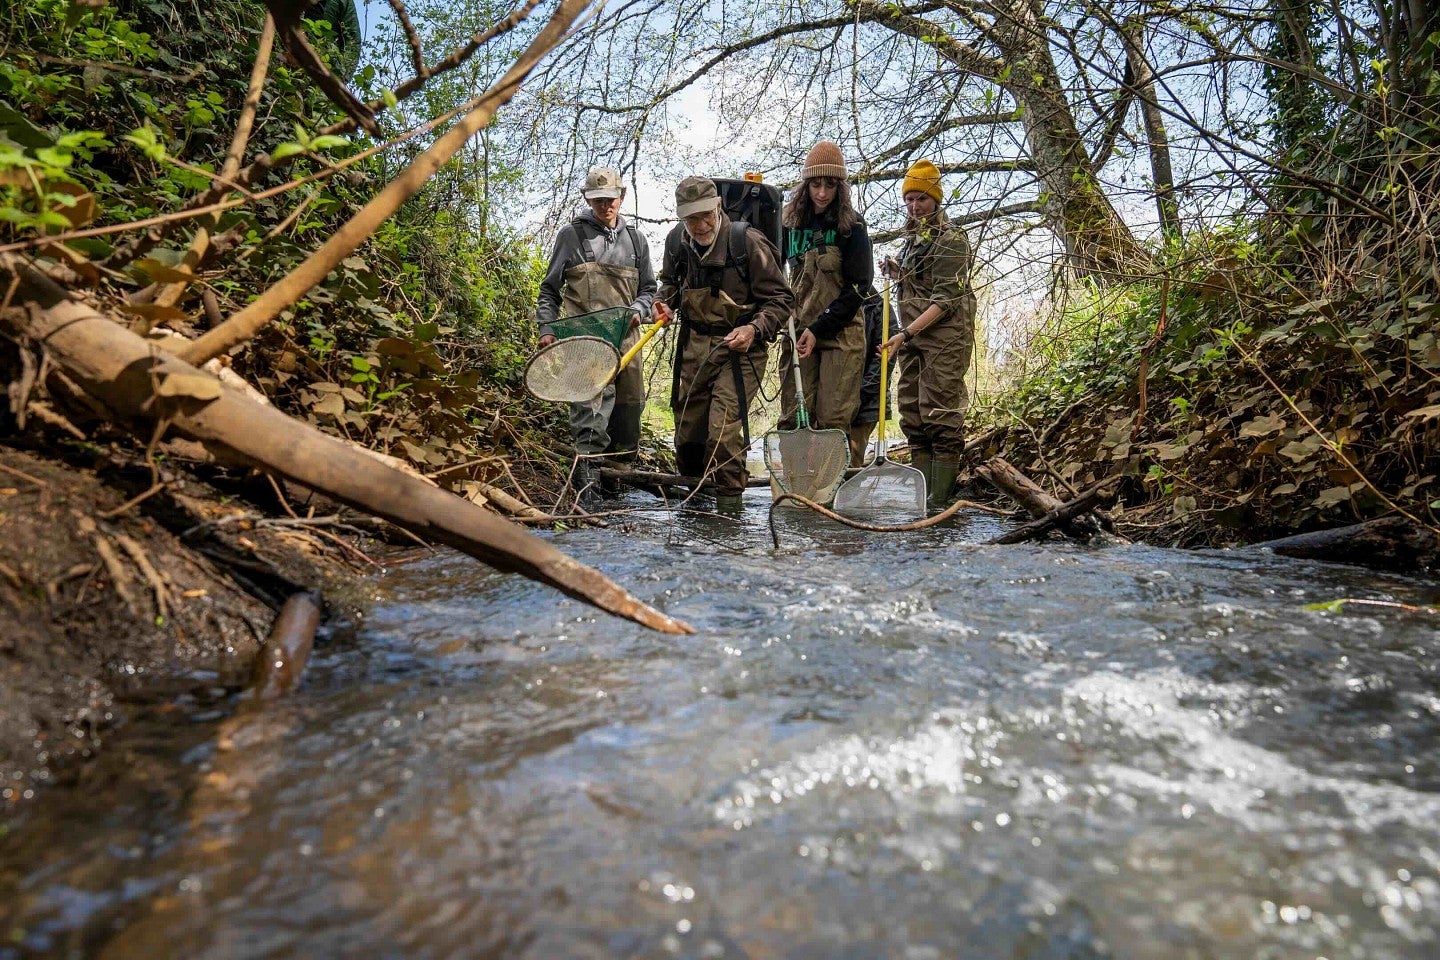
(903, 746)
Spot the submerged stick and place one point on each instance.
(285, 654)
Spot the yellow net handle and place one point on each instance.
(630, 354)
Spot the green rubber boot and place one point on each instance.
(731, 505)
(920, 460)
(942, 484)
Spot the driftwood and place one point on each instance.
(1037, 502)
(1063, 514)
(1393, 543)
(142, 386)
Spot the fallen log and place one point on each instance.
(1038, 502)
(1393, 543)
(142, 386)
(1087, 500)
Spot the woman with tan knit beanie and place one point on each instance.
(937, 332)
(827, 252)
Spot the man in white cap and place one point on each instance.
(725, 280)
(600, 261)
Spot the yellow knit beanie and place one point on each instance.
(922, 176)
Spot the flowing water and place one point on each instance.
(904, 746)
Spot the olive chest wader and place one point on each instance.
(611, 422)
(931, 393)
(831, 373)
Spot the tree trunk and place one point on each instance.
(1143, 80)
(1098, 242)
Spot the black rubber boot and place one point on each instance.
(625, 431)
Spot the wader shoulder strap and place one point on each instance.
(582, 225)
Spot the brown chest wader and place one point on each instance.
(706, 440)
(610, 422)
(831, 374)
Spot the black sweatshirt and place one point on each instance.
(857, 269)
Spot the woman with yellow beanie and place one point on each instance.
(828, 255)
(937, 332)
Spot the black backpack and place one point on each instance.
(747, 204)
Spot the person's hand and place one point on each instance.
(546, 340)
(891, 345)
(661, 314)
(889, 268)
(741, 338)
(805, 344)
(635, 319)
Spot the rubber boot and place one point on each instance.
(942, 483)
(730, 504)
(586, 480)
(920, 460)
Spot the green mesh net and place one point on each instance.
(610, 325)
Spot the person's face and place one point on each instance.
(822, 192)
(606, 209)
(920, 204)
(701, 226)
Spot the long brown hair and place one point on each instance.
(799, 210)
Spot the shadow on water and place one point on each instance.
(902, 746)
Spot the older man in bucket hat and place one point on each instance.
(725, 281)
(600, 261)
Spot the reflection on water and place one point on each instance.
(905, 746)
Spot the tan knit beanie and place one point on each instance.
(824, 160)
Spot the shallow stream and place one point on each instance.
(906, 746)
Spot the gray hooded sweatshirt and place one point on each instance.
(623, 246)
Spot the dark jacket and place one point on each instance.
(869, 411)
(856, 267)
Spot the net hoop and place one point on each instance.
(572, 370)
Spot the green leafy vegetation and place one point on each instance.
(118, 113)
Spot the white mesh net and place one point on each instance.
(573, 370)
(883, 490)
(810, 463)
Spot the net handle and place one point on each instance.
(802, 418)
(884, 370)
(630, 354)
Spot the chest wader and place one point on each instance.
(931, 391)
(713, 385)
(831, 374)
(612, 420)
